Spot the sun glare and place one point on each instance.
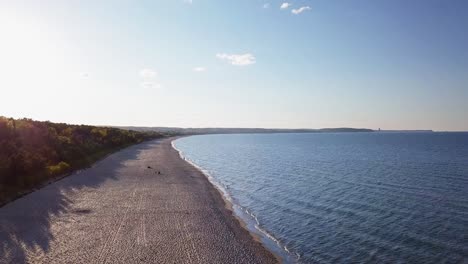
(30, 54)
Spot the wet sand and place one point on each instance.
(121, 211)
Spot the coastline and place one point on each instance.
(121, 210)
(247, 220)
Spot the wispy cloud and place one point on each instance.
(237, 59)
(300, 10)
(266, 5)
(199, 69)
(149, 78)
(188, 1)
(285, 5)
(148, 73)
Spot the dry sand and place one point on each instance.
(121, 211)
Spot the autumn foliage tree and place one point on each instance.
(32, 152)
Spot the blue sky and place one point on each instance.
(246, 63)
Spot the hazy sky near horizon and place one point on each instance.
(393, 64)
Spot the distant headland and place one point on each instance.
(197, 131)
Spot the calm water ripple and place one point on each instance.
(349, 197)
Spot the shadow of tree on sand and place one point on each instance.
(25, 223)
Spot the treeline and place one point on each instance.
(32, 152)
(215, 130)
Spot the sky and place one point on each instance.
(390, 64)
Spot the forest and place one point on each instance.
(33, 152)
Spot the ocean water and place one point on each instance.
(346, 197)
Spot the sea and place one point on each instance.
(344, 197)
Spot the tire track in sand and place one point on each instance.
(112, 238)
(141, 230)
(184, 232)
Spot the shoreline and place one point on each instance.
(121, 210)
(246, 219)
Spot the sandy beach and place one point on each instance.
(122, 211)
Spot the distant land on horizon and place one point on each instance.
(217, 130)
(234, 130)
